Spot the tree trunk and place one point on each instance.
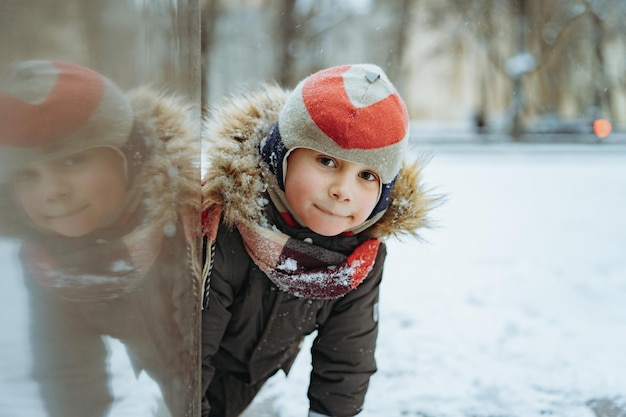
(286, 35)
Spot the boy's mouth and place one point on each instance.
(68, 213)
(329, 212)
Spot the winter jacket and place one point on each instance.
(157, 316)
(251, 328)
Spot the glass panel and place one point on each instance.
(99, 169)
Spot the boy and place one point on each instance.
(96, 184)
(300, 190)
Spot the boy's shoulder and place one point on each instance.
(233, 129)
(243, 115)
(234, 126)
(169, 124)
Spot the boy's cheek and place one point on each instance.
(28, 201)
(31, 211)
(22, 200)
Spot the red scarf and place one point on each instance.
(95, 268)
(300, 268)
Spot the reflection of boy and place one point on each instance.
(93, 182)
(300, 191)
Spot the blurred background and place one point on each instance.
(512, 67)
(132, 42)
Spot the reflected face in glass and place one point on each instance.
(330, 195)
(73, 195)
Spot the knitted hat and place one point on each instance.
(351, 112)
(51, 109)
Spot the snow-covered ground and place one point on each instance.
(515, 306)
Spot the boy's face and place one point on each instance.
(328, 194)
(73, 195)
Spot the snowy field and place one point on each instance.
(514, 307)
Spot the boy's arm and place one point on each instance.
(343, 350)
(216, 316)
(69, 359)
(215, 320)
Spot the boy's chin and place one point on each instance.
(327, 230)
(71, 230)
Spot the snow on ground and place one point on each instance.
(514, 307)
(516, 304)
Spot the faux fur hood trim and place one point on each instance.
(169, 177)
(235, 175)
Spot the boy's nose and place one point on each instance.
(54, 187)
(341, 189)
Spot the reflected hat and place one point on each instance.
(351, 112)
(50, 109)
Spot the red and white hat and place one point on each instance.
(352, 112)
(51, 109)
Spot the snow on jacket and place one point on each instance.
(251, 328)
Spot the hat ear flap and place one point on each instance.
(273, 153)
(383, 200)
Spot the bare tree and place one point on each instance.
(209, 14)
(403, 11)
(523, 58)
(112, 52)
(556, 63)
(287, 35)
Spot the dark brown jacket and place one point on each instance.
(251, 329)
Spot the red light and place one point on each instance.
(602, 128)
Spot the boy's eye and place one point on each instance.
(329, 162)
(24, 175)
(368, 176)
(73, 160)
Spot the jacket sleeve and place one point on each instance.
(343, 350)
(69, 359)
(216, 316)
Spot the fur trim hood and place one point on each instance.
(170, 174)
(235, 175)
